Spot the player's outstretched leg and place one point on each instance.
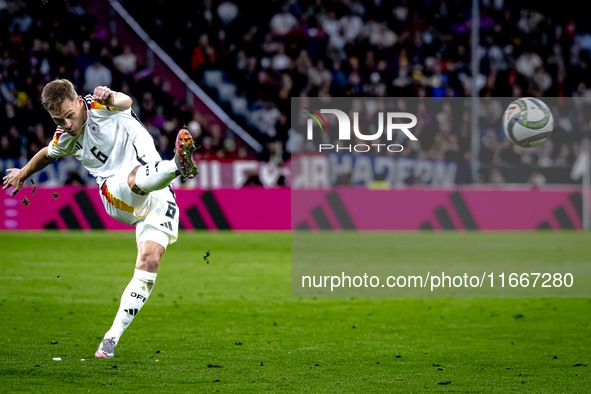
(157, 176)
(134, 297)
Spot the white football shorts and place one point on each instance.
(155, 216)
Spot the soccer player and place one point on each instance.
(105, 135)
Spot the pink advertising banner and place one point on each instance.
(80, 207)
(461, 208)
(274, 209)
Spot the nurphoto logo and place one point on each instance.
(345, 130)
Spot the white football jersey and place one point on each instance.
(109, 143)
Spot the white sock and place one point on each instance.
(156, 176)
(134, 297)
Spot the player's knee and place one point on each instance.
(131, 177)
(131, 182)
(148, 261)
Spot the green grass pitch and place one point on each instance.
(230, 325)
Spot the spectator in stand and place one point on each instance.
(283, 22)
(203, 55)
(126, 63)
(97, 75)
(496, 178)
(227, 12)
(13, 144)
(84, 58)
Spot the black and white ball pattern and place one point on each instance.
(528, 122)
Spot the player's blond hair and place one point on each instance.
(55, 93)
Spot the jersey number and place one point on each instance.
(171, 209)
(99, 155)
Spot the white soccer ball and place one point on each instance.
(528, 122)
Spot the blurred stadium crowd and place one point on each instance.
(300, 48)
(39, 43)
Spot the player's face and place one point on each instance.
(71, 116)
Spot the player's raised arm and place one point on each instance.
(114, 100)
(17, 177)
